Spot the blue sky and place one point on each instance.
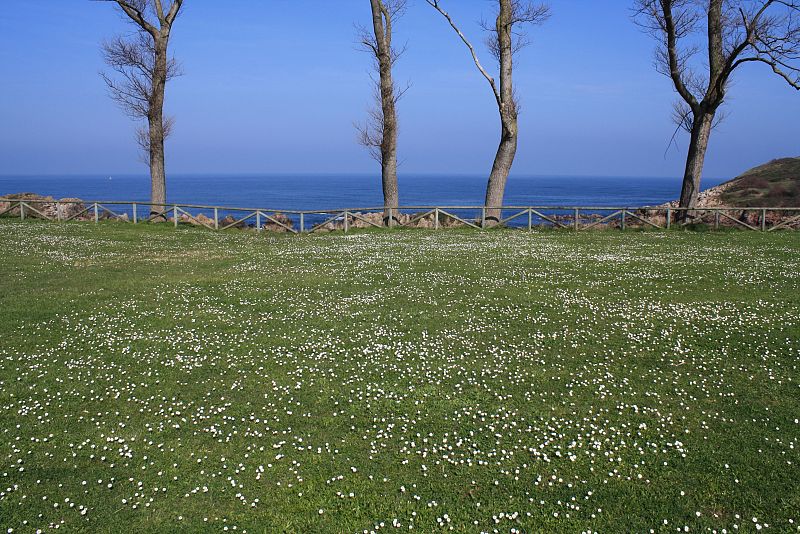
(275, 86)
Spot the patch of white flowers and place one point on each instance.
(497, 382)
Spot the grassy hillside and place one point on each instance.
(178, 380)
(774, 184)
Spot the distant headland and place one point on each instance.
(775, 184)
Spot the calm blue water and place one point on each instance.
(317, 192)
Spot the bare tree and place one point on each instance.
(503, 41)
(379, 134)
(142, 69)
(732, 33)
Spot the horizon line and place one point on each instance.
(278, 174)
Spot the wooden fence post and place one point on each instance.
(530, 219)
(21, 211)
(96, 213)
(346, 222)
(436, 219)
(622, 223)
(302, 223)
(483, 217)
(764, 219)
(669, 217)
(576, 220)
(175, 215)
(135, 215)
(258, 221)
(216, 218)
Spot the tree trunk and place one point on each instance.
(155, 118)
(503, 160)
(389, 141)
(382, 26)
(391, 197)
(698, 144)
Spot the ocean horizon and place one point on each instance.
(333, 191)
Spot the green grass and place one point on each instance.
(154, 379)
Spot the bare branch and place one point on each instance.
(682, 116)
(435, 4)
(143, 136)
(370, 133)
(173, 12)
(671, 20)
(135, 10)
(366, 42)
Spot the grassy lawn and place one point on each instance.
(154, 379)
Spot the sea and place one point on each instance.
(335, 191)
(309, 192)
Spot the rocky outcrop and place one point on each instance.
(709, 198)
(74, 207)
(230, 221)
(285, 223)
(45, 205)
(201, 219)
(372, 219)
(277, 222)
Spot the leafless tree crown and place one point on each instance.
(371, 132)
(732, 32)
(132, 60)
(367, 41)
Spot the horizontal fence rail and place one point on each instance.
(576, 218)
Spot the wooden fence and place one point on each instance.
(566, 217)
